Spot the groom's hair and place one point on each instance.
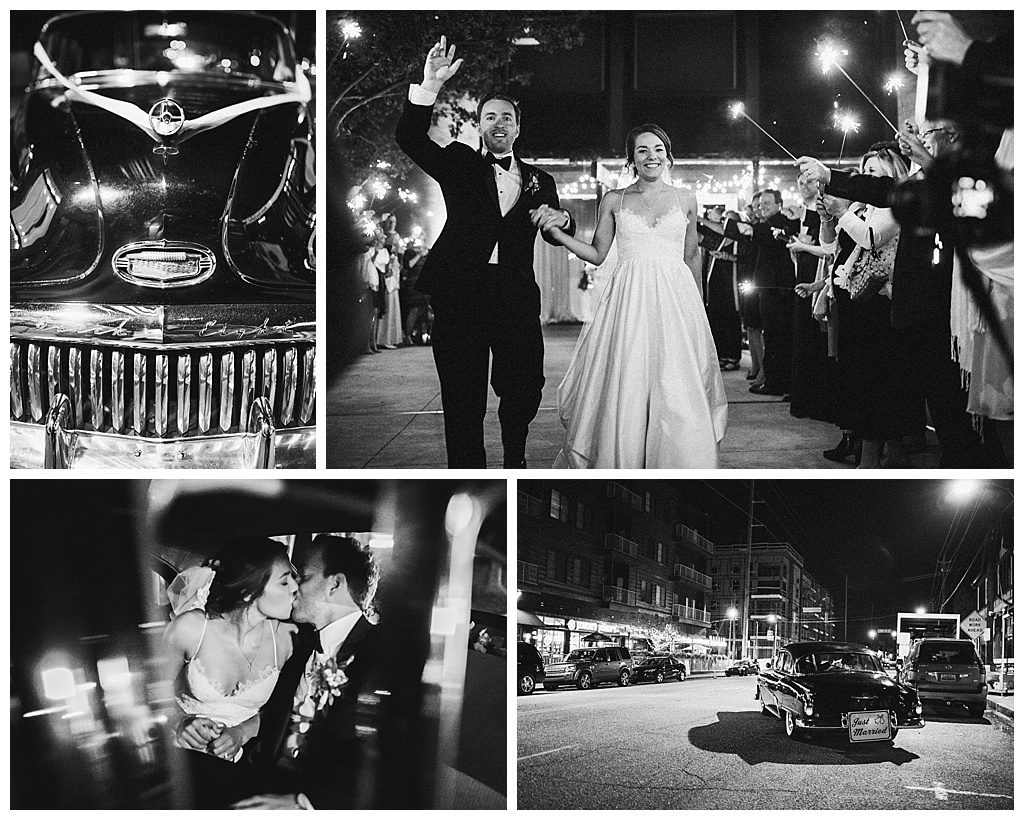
(352, 559)
(773, 194)
(498, 95)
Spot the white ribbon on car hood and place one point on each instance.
(140, 119)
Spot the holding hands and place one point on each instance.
(440, 65)
(549, 220)
(205, 735)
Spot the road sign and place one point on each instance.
(974, 624)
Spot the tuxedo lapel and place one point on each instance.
(490, 184)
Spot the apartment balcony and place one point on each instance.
(694, 537)
(528, 505)
(617, 543)
(685, 573)
(527, 573)
(616, 490)
(691, 615)
(618, 595)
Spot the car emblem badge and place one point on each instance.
(167, 117)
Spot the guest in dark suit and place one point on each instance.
(480, 270)
(774, 279)
(307, 751)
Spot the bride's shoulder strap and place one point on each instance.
(202, 635)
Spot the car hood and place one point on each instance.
(95, 184)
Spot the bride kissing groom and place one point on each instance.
(268, 707)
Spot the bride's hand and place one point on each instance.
(197, 733)
(227, 745)
(548, 220)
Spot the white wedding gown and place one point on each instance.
(643, 388)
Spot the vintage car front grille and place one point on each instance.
(164, 393)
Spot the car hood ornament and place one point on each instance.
(166, 117)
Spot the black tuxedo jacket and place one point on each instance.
(474, 223)
(328, 765)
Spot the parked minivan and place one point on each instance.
(947, 671)
(586, 668)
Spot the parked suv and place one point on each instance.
(586, 668)
(530, 670)
(947, 671)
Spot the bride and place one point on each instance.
(643, 388)
(229, 640)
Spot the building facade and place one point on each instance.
(611, 560)
(779, 601)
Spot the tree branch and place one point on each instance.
(387, 92)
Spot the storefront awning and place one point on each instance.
(524, 618)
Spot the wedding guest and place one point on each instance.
(721, 290)
(866, 358)
(370, 277)
(416, 304)
(389, 333)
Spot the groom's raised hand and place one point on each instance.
(440, 66)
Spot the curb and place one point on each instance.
(1000, 708)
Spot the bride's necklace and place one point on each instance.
(256, 651)
(649, 204)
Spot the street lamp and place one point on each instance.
(732, 614)
(773, 620)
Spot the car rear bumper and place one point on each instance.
(834, 723)
(953, 696)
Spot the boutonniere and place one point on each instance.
(533, 183)
(327, 680)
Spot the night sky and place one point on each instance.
(883, 534)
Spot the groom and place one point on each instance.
(480, 271)
(317, 766)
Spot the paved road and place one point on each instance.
(703, 744)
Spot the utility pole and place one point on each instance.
(846, 605)
(746, 572)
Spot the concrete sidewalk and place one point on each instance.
(385, 413)
(1003, 704)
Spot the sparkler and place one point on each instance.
(846, 122)
(894, 83)
(906, 36)
(736, 110)
(830, 56)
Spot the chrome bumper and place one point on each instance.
(54, 446)
(844, 723)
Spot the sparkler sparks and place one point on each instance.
(737, 110)
(894, 83)
(829, 55)
(847, 122)
(351, 30)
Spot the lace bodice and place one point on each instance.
(205, 697)
(665, 238)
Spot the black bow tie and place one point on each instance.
(317, 646)
(504, 162)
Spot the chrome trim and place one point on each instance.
(269, 385)
(139, 395)
(227, 389)
(262, 434)
(162, 326)
(161, 393)
(76, 382)
(166, 117)
(289, 384)
(184, 396)
(248, 384)
(117, 390)
(205, 391)
(96, 388)
(289, 166)
(295, 448)
(35, 384)
(59, 442)
(52, 373)
(125, 258)
(17, 396)
(308, 385)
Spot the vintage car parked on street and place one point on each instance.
(947, 672)
(162, 258)
(586, 668)
(744, 667)
(837, 687)
(658, 668)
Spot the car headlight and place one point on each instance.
(808, 703)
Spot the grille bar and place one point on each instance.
(180, 393)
